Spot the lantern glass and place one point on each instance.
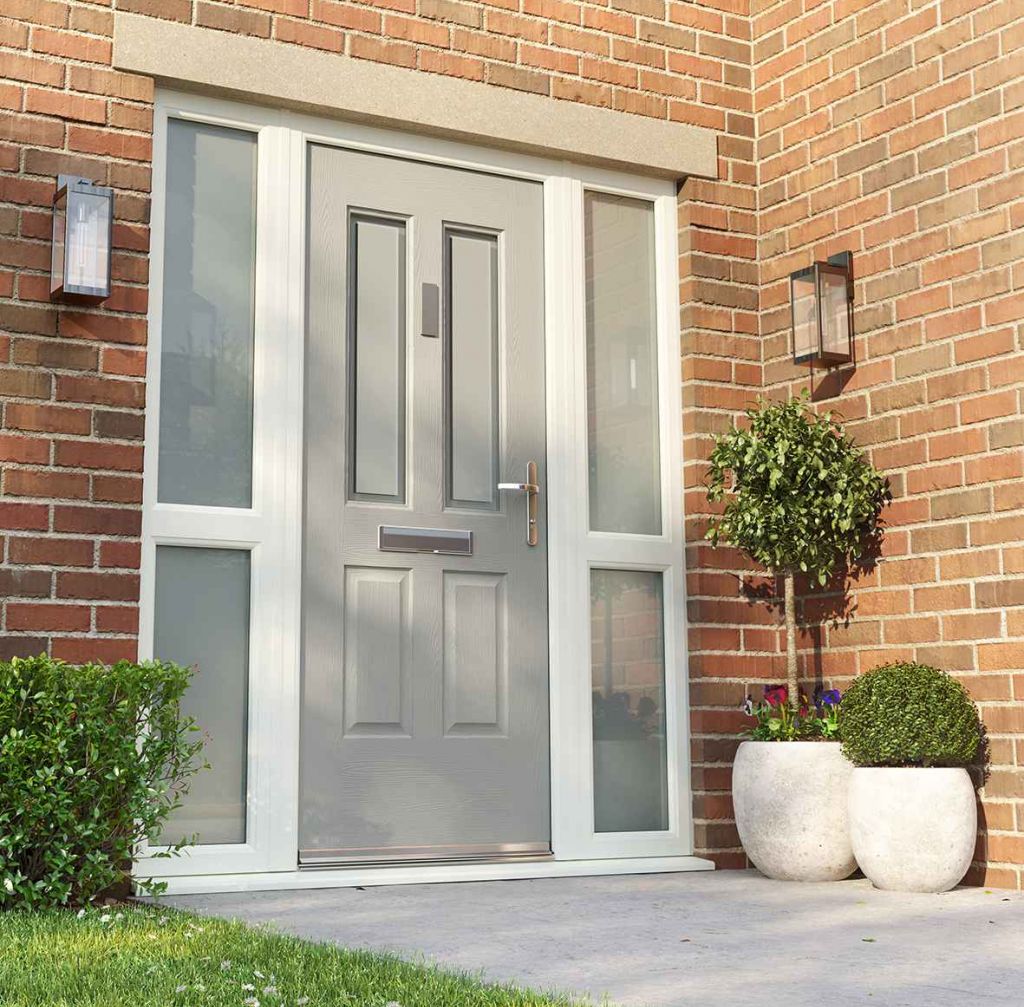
(805, 316)
(80, 255)
(835, 315)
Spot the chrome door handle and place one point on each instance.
(531, 489)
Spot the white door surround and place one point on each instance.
(271, 529)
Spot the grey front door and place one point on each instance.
(425, 679)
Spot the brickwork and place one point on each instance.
(895, 129)
(891, 127)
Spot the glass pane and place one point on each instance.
(622, 366)
(87, 235)
(805, 318)
(206, 356)
(202, 620)
(835, 318)
(627, 668)
(377, 347)
(472, 316)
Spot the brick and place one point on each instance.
(30, 551)
(16, 583)
(46, 418)
(81, 48)
(97, 520)
(102, 391)
(84, 649)
(232, 19)
(90, 455)
(98, 586)
(74, 618)
(999, 594)
(46, 485)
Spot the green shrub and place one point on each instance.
(907, 714)
(92, 760)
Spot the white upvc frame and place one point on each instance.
(271, 528)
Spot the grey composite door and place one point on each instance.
(425, 679)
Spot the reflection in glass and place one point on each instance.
(628, 690)
(206, 341)
(201, 617)
(835, 314)
(622, 365)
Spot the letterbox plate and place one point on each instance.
(440, 541)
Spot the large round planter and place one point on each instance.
(791, 801)
(913, 830)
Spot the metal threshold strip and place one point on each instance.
(501, 853)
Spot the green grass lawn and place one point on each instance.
(135, 956)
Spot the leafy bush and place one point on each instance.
(799, 497)
(92, 760)
(907, 714)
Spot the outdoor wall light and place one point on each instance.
(83, 216)
(821, 297)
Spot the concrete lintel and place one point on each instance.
(309, 80)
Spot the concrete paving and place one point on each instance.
(675, 940)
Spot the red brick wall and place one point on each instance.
(895, 129)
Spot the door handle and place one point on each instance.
(531, 489)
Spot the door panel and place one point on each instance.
(425, 682)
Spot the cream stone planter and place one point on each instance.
(913, 830)
(791, 801)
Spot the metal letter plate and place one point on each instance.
(440, 541)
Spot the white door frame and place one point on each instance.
(271, 528)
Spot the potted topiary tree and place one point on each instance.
(799, 498)
(911, 731)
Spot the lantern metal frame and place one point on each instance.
(840, 264)
(67, 188)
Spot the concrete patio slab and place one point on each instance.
(669, 940)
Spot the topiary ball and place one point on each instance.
(908, 714)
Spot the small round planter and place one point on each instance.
(791, 804)
(913, 830)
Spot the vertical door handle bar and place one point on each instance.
(531, 489)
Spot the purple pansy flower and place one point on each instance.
(827, 697)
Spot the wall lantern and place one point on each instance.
(821, 297)
(83, 217)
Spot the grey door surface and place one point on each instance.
(425, 680)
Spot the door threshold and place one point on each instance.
(369, 877)
(394, 862)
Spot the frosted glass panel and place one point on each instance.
(622, 365)
(628, 690)
(202, 620)
(206, 354)
(377, 347)
(472, 316)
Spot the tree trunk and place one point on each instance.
(791, 679)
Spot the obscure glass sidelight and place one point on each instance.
(627, 668)
(622, 365)
(201, 616)
(377, 357)
(471, 333)
(206, 357)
